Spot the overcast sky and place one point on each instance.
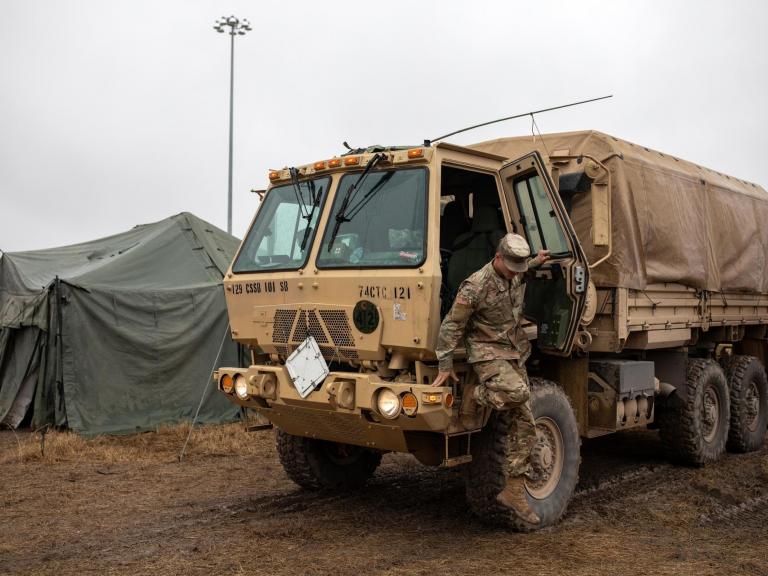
(115, 113)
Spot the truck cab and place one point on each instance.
(365, 252)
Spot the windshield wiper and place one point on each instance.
(297, 190)
(315, 203)
(341, 215)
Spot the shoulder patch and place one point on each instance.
(467, 294)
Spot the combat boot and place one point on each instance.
(513, 497)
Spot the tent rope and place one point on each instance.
(202, 397)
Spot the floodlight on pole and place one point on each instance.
(237, 27)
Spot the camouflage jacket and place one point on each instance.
(486, 314)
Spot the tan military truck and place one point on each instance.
(652, 312)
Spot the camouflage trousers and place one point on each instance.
(504, 387)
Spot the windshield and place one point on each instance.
(388, 228)
(282, 234)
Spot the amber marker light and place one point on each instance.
(431, 397)
(410, 404)
(416, 153)
(274, 175)
(352, 161)
(335, 163)
(319, 165)
(448, 400)
(227, 383)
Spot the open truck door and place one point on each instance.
(556, 295)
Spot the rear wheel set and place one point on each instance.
(694, 424)
(748, 388)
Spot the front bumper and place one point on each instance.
(343, 408)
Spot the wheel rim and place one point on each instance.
(710, 414)
(547, 459)
(752, 406)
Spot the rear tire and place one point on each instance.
(555, 461)
(694, 427)
(749, 404)
(317, 464)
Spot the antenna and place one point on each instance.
(428, 142)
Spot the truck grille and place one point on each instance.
(282, 325)
(331, 331)
(338, 327)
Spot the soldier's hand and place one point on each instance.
(443, 376)
(541, 257)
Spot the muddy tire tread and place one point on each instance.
(306, 463)
(740, 371)
(679, 424)
(293, 456)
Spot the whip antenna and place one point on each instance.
(428, 142)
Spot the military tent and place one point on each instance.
(119, 334)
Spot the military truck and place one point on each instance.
(652, 312)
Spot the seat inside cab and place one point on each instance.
(471, 226)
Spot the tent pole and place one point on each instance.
(202, 397)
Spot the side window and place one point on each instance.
(541, 226)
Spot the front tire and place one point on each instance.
(749, 404)
(555, 461)
(317, 464)
(694, 426)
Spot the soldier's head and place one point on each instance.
(512, 255)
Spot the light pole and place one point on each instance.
(236, 27)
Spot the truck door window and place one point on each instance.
(553, 299)
(541, 225)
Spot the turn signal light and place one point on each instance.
(416, 153)
(410, 404)
(227, 383)
(319, 165)
(448, 400)
(274, 175)
(351, 160)
(334, 163)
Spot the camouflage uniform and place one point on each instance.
(487, 315)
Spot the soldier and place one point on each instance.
(487, 315)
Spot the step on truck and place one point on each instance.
(652, 312)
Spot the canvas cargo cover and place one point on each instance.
(672, 220)
(118, 334)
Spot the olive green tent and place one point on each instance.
(118, 334)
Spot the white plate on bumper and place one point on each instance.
(307, 367)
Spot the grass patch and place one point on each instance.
(161, 445)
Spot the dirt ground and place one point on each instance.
(127, 506)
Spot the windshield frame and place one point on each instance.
(330, 221)
(310, 241)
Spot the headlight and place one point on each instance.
(388, 403)
(241, 387)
